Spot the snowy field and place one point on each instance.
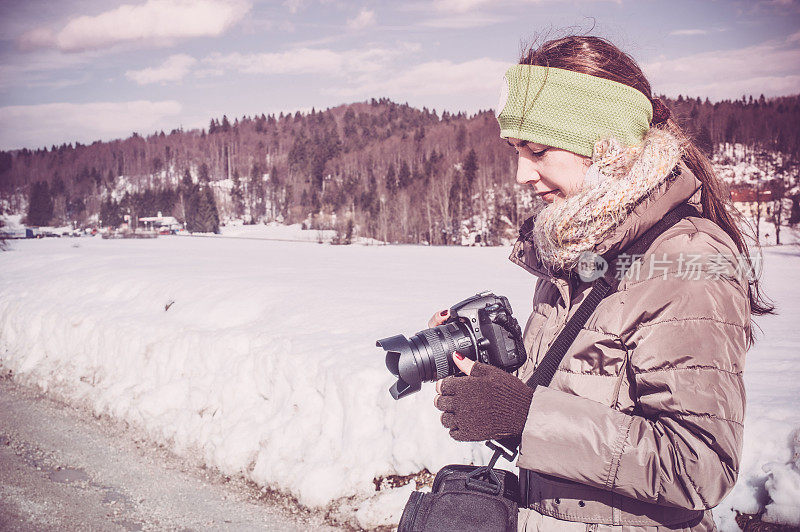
(258, 358)
(276, 231)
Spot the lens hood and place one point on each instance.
(401, 363)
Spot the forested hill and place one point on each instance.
(766, 124)
(386, 170)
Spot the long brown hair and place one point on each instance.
(598, 57)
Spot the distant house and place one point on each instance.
(745, 199)
(17, 232)
(161, 224)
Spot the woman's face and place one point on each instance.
(554, 174)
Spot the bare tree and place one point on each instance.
(441, 186)
(777, 188)
(759, 208)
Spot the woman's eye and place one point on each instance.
(526, 147)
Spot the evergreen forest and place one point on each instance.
(374, 169)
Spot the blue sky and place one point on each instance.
(83, 70)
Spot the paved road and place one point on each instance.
(63, 469)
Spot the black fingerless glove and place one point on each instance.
(486, 404)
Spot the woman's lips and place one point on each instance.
(544, 194)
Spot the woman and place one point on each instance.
(641, 427)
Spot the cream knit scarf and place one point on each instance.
(619, 179)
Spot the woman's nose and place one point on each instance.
(526, 173)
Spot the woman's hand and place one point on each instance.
(438, 318)
(485, 404)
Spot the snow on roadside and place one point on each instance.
(259, 358)
(264, 362)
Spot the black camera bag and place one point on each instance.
(482, 498)
(464, 497)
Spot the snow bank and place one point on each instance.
(258, 357)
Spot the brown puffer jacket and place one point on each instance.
(641, 428)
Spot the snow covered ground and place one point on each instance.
(788, 235)
(12, 223)
(276, 231)
(770, 472)
(258, 357)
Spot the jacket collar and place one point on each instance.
(668, 195)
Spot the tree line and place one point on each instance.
(374, 169)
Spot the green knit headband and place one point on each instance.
(570, 110)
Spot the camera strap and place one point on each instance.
(601, 288)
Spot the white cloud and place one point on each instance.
(465, 14)
(304, 61)
(156, 22)
(459, 6)
(462, 21)
(364, 19)
(208, 72)
(467, 6)
(174, 68)
(299, 61)
(371, 72)
(689, 32)
(478, 80)
(56, 123)
(43, 69)
(772, 68)
(295, 6)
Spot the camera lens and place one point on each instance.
(425, 356)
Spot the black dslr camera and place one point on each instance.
(480, 327)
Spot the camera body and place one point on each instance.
(480, 327)
(485, 315)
